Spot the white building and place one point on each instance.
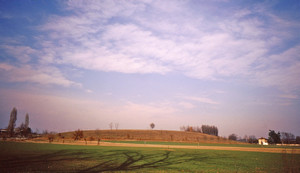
(263, 141)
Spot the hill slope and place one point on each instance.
(151, 135)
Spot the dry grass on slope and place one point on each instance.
(150, 135)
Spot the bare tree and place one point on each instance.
(24, 127)
(152, 125)
(45, 132)
(110, 125)
(37, 131)
(78, 134)
(252, 139)
(188, 128)
(232, 137)
(62, 137)
(50, 137)
(246, 139)
(298, 140)
(21, 129)
(12, 122)
(211, 130)
(287, 138)
(98, 133)
(116, 126)
(198, 129)
(182, 128)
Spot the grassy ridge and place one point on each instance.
(153, 135)
(30, 157)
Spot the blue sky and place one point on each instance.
(84, 64)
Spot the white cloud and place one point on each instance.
(133, 47)
(40, 75)
(162, 37)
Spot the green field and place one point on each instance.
(202, 144)
(30, 157)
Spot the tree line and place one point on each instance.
(207, 129)
(282, 137)
(273, 138)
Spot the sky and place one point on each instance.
(84, 64)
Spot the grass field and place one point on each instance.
(32, 157)
(204, 144)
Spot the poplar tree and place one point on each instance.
(12, 122)
(26, 121)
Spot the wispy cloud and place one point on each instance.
(186, 105)
(22, 53)
(281, 70)
(202, 100)
(40, 75)
(289, 96)
(165, 37)
(154, 109)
